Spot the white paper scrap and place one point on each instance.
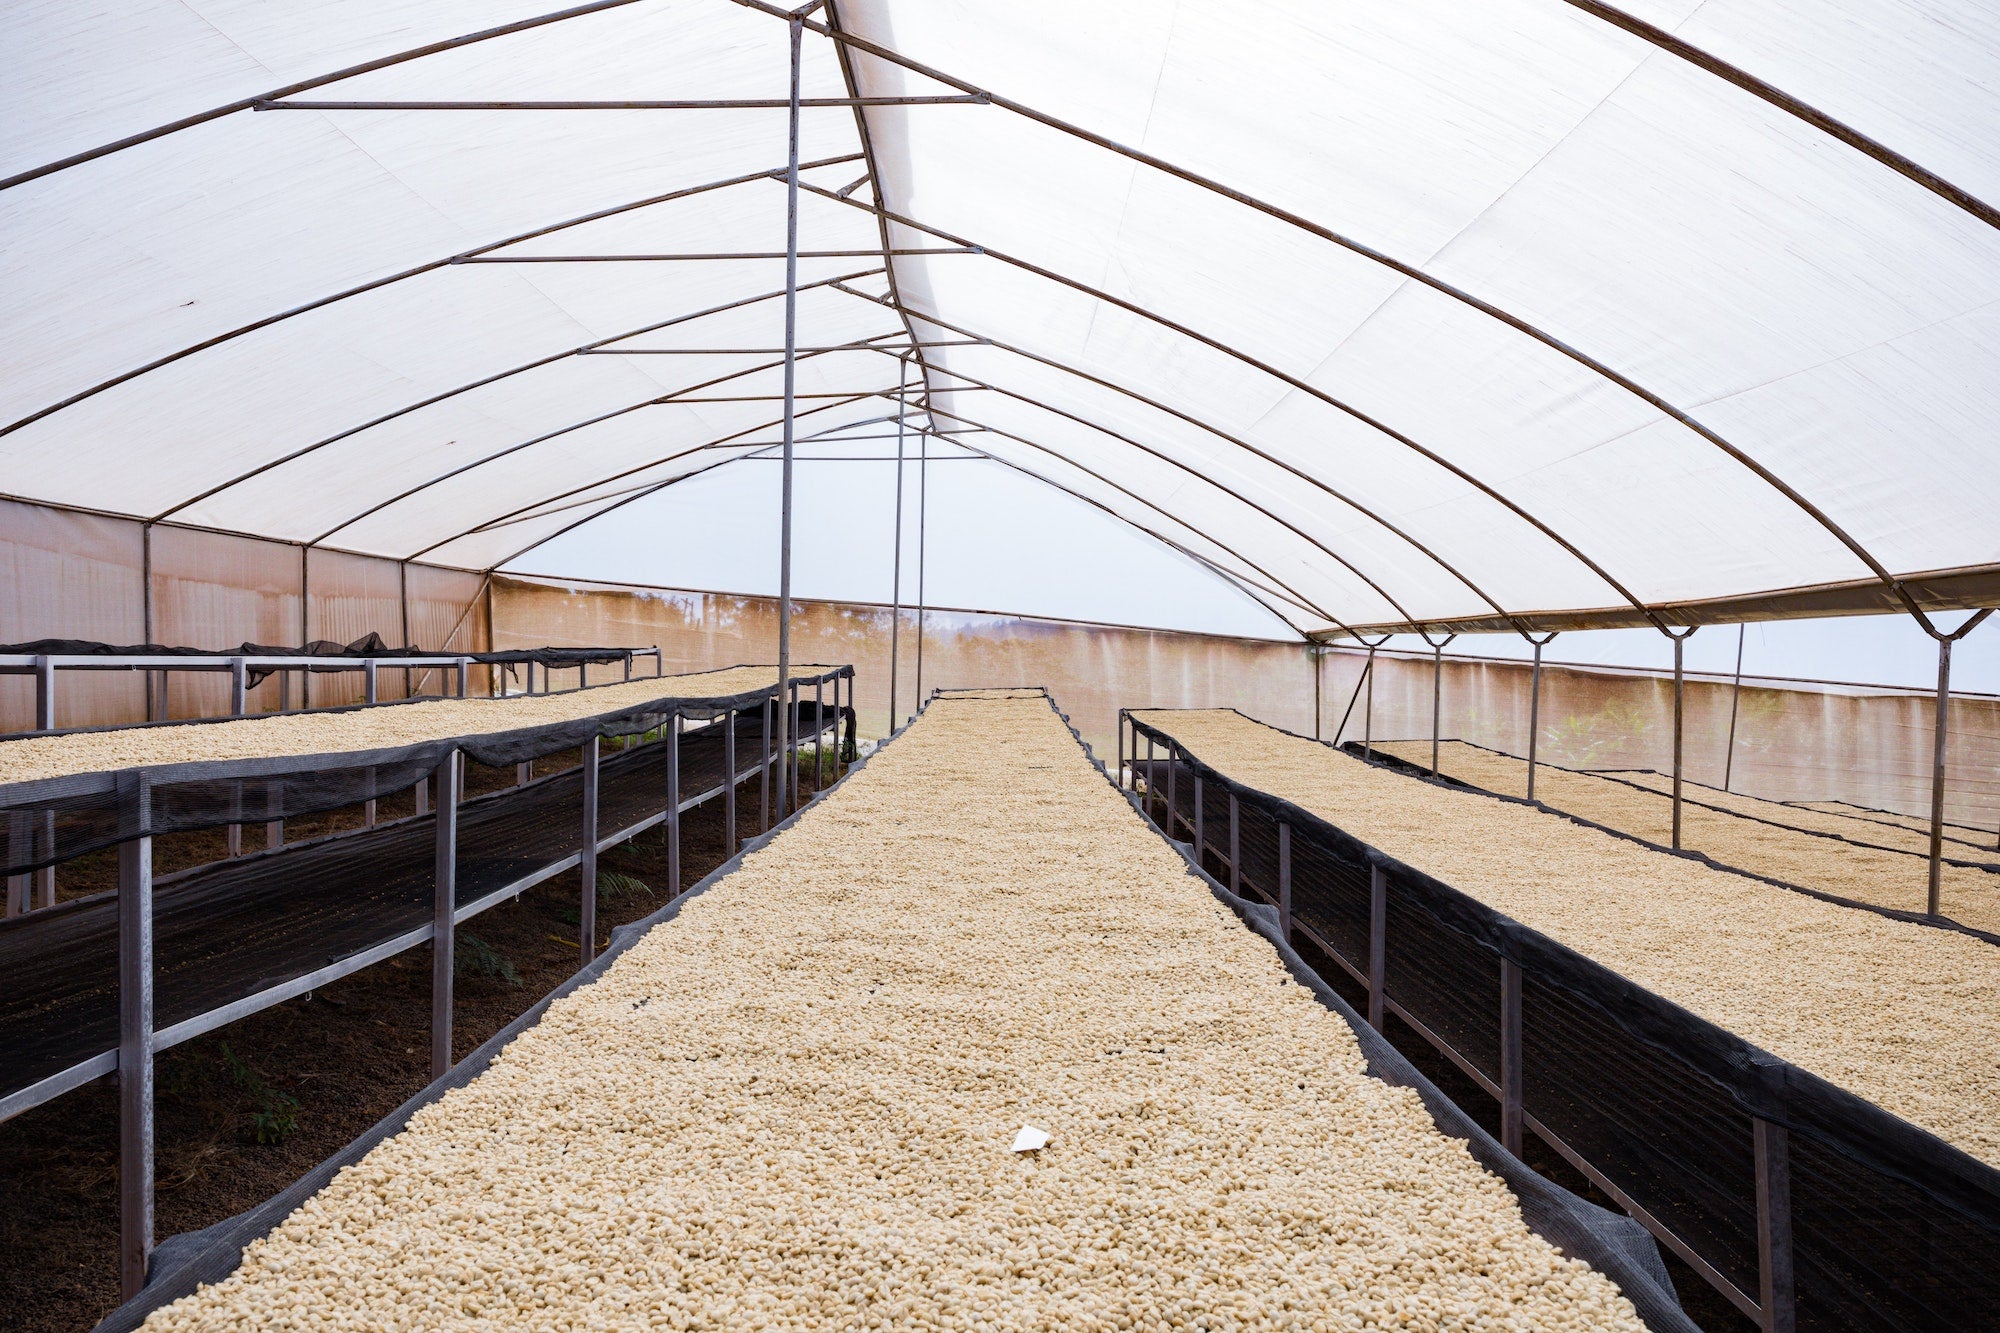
(1030, 1139)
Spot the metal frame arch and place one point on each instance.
(480, 383)
(1215, 431)
(1413, 272)
(389, 280)
(663, 400)
(936, 411)
(1233, 579)
(1337, 404)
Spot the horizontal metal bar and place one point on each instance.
(205, 662)
(56, 1084)
(1663, 1233)
(714, 255)
(669, 104)
(288, 990)
(776, 351)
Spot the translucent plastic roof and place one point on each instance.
(1456, 313)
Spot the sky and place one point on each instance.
(996, 540)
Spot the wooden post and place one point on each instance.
(444, 902)
(587, 863)
(1510, 1056)
(135, 1038)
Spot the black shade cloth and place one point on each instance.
(54, 819)
(369, 645)
(1893, 1228)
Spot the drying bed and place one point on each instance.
(1905, 1016)
(792, 1107)
(347, 730)
(1878, 863)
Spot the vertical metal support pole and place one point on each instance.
(896, 565)
(729, 841)
(674, 807)
(1534, 719)
(1235, 848)
(628, 669)
(45, 693)
(923, 540)
(1378, 944)
(368, 806)
(444, 902)
(819, 737)
(18, 839)
(1510, 1056)
(1679, 642)
(305, 621)
(1934, 895)
(45, 878)
(239, 704)
(135, 1039)
(368, 681)
(1173, 771)
(785, 775)
(1368, 711)
(423, 796)
(1285, 882)
(1735, 699)
(1121, 750)
(146, 614)
(1437, 702)
(764, 778)
(1317, 659)
(587, 862)
(1776, 1294)
(464, 675)
(284, 691)
(1200, 842)
(274, 829)
(1152, 786)
(524, 772)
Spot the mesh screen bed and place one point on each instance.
(1888, 1227)
(370, 645)
(1611, 1244)
(253, 930)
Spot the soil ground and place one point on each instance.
(347, 1055)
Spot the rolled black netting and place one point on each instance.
(1889, 1226)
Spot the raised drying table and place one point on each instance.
(1608, 995)
(102, 983)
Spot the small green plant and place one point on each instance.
(611, 884)
(274, 1115)
(472, 954)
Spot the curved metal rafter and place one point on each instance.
(499, 519)
(1293, 381)
(1413, 272)
(931, 407)
(1176, 413)
(1234, 580)
(376, 284)
(481, 383)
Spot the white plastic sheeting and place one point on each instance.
(1481, 307)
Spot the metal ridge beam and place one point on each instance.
(375, 284)
(682, 104)
(1414, 272)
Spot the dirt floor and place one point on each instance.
(1903, 1014)
(795, 1107)
(1875, 863)
(311, 1074)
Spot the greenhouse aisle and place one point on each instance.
(796, 1104)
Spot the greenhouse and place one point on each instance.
(706, 664)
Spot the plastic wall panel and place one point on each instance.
(69, 575)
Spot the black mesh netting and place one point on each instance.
(54, 819)
(1892, 1228)
(239, 927)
